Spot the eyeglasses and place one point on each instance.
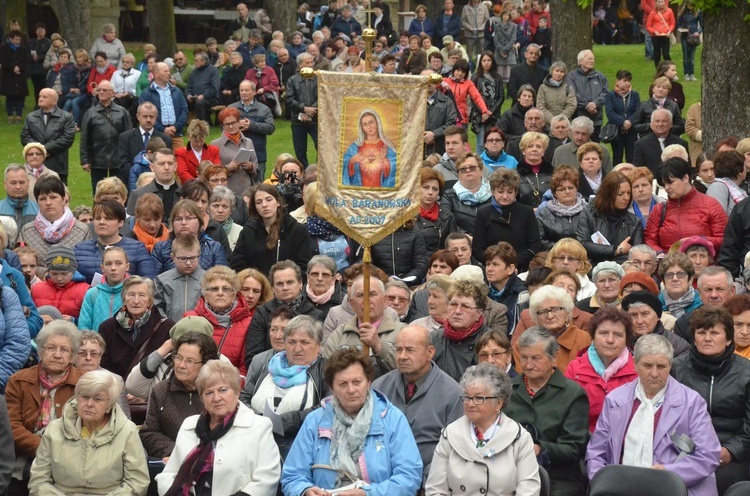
(494, 140)
(542, 313)
(399, 299)
(495, 355)
(565, 258)
(454, 305)
(187, 259)
(230, 124)
(222, 289)
(54, 349)
(178, 359)
(92, 354)
(35, 154)
(609, 281)
(478, 400)
(180, 220)
(470, 168)
(142, 296)
(320, 275)
(680, 274)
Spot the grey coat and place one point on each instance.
(176, 294)
(204, 81)
(591, 87)
(435, 404)
(566, 155)
(57, 136)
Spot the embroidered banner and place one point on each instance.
(370, 143)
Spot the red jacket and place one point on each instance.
(234, 343)
(268, 79)
(67, 299)
(581, 371)
(533, 19)
(655, 23)
(461, 91)
(187, 162)
(695, 214)
(95, 77)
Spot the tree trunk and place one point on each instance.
(571, 31)
(75, 20)
(726, 65)
(283, 13)
(161, 24)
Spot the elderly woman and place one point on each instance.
(187, 219)
(196, 151)
(227, 311)
(558, 218)
(494, 347)
(434, 223)
(414, 60)
(607, 229)
(227, 449)
(570, 255)
(92, 448)
(110, 45)
(644, 198)
(722, 379)
(552, 308)
(536, 173)
(606, 277)
(136, 330)
(90, 357)
(553, 408)
(556, 96)
(220, 206)
(438, 286)
(495, 221)
(700, 252)
(641, 421)
(590, 156)
(730, 172)
(36, 394)
(34, 155)
(678, 296)
(645, 309)
(512, 120)
(232, 76)
(55, 222)
(470, 192)
(607, 364)
(739, 307)
(291, 384)
(258, 366)
(370, 441)
(171, 400)
(485, 451)
(242, 173)
(322, 288)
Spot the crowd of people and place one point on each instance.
(606, 323)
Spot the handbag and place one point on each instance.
(608, 133)
(672, 39)
(693, 39)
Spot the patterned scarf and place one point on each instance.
(560, 210)
(468, 198)
(735, 192)
(292, 305)
(349, 435)
(129, 324)
(48, 389)
(677, 307)
(318, 227)
(227, 225)
(285, 375)
(35, 171)
(54, 232)
(457, 336)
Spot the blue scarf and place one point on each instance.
(17, 203)
(637, 211)
(285, 375)
(596, 361)
(466, 197)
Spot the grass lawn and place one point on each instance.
(610, 59)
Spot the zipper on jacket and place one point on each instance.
(711, 397)
(278, 248)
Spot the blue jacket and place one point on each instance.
(416, 27)
(15, 344)
(504, 160)
(453, 27)
(13, 278)
(344, 26)
(211, 254)
(140, 165)
(621, 109)
(180, 106)
(26, 212)
(89, 256)
(390, 463)
(100, 303)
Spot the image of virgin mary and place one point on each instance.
(370, 161)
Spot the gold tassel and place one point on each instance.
(366, 256)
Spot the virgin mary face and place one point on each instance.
(370, 127)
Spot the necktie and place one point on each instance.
(46, 116)
(411, 389)
(661, 143)
(146, 136)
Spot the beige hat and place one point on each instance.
(193, 323)
(36, 145)
(470, 273)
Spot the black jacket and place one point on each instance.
(511, 122)
(231, 80)
(301, 93)
(402, 254)
(462, 213)
(533, 186)
(642, 122)
(553, 228)
(516, 225)
(726, 390)
(647, 151)
(434, 233)
(129, 145)
(441, 114)
(736, 238)
(522, 74)
(614, 228)
(100, 133)
(57, 136)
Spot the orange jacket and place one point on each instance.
(461, 91)
(655, 23)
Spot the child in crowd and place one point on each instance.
(543, 38)
(178, 289)
(29, 262)
(63, 287)
(105, 299)
(84, 214)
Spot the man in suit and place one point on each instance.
(52, 127)
(133, 142)
(526, 73)
(647, 150)
(441, 113)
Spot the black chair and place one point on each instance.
(544, 479)
(739, 489)
(622, 480)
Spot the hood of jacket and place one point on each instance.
(72, 424)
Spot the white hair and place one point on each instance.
(674, 151)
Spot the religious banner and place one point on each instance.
(370, 143)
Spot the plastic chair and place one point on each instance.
(739, 489)
(544, 479)
(622, 480)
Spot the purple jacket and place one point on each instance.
(684, 412)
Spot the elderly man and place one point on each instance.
(591, 90)
(285, 67)
(379, 334)
(397, 297)
(17, 204)
(527, 73)
(124, 82)
(559, 132)
(582, 129)
(252, 47)
(170, 103)
(715, 286)
(133, 142)
(302, 103)
(101, 128)
(441, 113)
(239, 29)
(320, 63)
(647, 150)
(164, 184)
(256, 122)
(181, 70)
(52, 127)
(642, 257)
(203, 87)
(533, 120)
(286, 281)
(645, 311)
(428, 397)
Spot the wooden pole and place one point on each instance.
(366, 301)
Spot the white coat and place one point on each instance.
(245, 459)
